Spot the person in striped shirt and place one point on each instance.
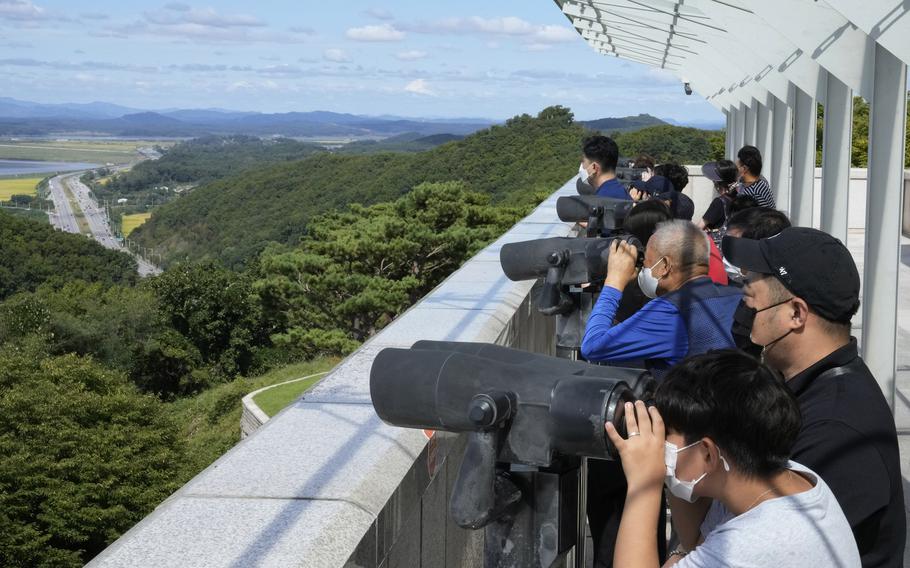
(751, 182)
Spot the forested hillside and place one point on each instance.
(208, 158)
(233, 219)
(32, 253)
(668, 143)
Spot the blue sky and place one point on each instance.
(413, 58)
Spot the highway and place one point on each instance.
(95, 216)
(62, 217)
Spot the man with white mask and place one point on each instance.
(689, 315)
(719, 436)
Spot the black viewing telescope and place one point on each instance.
(529, 420)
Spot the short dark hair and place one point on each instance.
(738, 402)
(642, 221)
(741, 203)
(603, 150)
(758, 222)
(750, 157)
(677, 174)
(643, 161)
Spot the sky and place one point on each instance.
(471, 58)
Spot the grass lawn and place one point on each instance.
(275, 399)
(210, 421)
(17, 186)
(130, 222)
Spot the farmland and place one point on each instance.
(130, 222)
(91, 151)
(17, 186)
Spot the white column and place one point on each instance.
(729, 134)
(805, 115)
(740, 129)
(838, 128)
(780, 168)
(763, 135)
(884, 197)
(751, 123)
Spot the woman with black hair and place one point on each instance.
(724, 174)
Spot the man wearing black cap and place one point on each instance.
(804, 288)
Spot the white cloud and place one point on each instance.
(410, 55)
(379, 14)
(335, 55)
(508, 26)
(201, 17)
(537, 46)
(22, 10)
(383, 32)
(419, 87)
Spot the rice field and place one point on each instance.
(17, 186)
(130, 222)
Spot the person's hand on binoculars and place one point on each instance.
(621, 265)
(642, 451)
(637, 194)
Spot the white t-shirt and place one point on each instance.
(804, 530)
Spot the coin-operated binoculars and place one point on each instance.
(529, 421)
(601, 215)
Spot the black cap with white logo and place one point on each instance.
(810, 263)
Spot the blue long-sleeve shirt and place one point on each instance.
(657, 331)
(613, 188)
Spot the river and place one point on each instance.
(24, 167)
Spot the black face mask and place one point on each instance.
(767, 347)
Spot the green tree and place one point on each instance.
(82, 458)
(358, 269)
(216, 311)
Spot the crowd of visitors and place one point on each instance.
(770, 435)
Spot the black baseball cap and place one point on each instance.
(810, 263)
(658, 186)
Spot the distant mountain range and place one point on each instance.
(24, 118)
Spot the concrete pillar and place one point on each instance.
(884, 200)
(740, 130)
(805, 115)
(729, 134)
(751, 123)
(781, 138)
(838, 129)
(763, 135)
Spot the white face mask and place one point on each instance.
(647, 282)
(583, 174)
(679, 488)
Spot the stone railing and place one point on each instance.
(325, 483)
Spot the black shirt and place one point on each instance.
(848, 437)
(716, 215)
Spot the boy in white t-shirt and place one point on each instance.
(719, 437)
